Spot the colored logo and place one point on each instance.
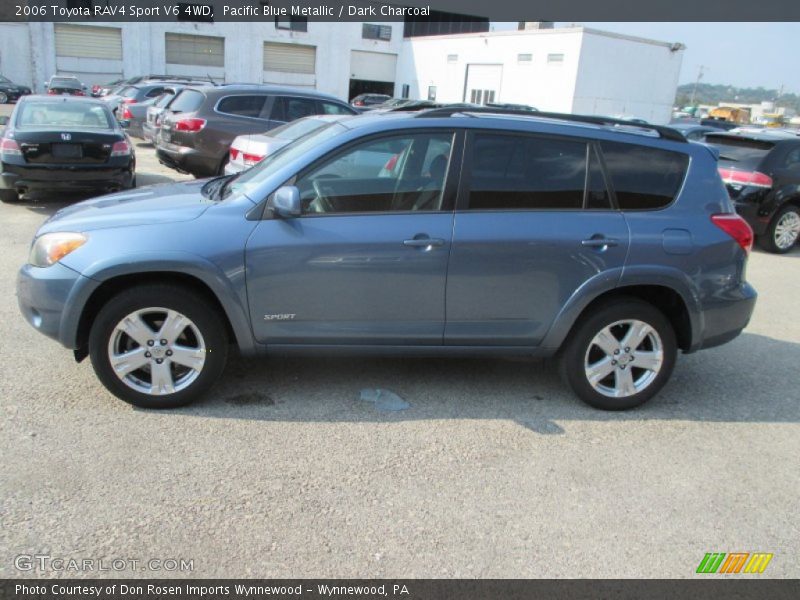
(734, 562)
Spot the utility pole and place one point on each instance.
(696, 82)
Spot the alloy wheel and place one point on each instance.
(787, 230)
(156, 351)
(624, 358)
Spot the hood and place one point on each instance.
(164, 203)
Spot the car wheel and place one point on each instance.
(3, 98)
(7, 195)
(783, 231)
(619, 355)
(158, 346)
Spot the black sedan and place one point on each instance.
(761, 169)
(10, 91)
(64, 143)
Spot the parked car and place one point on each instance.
(10, 91)
(248, 150)
(64, 143)
(152, 121)
(761, 170)
(507, 106)
(70, 86)
(136, 94)
(693, 131)
(369, 100)
(101, 89)
(135, 111)
(486, 235)
(200, 124)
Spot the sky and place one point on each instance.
(737, 54)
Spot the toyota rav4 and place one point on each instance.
(606, 244)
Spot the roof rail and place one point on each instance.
(666, 133)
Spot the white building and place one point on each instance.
(564, 70)
(574, 70)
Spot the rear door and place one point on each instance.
(534, 223)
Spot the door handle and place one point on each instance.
(423, 242)
(600, 242)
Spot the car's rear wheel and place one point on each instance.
(783, 231)
(619, 355)
(7, 195)
(158, 346)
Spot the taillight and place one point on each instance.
(121, 149)
(234, 153)
(78, 93)
(95, 89)
(126, 113)
(51, 92)
(10, 147)
(751, 178)
(251, 159)
(736, 227)
(191, 125)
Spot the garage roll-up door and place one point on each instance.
(81, 41)
(290, 58)
(373, 66)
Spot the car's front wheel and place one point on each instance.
(158, 346)
(619, 355)
(3, 98)
(783, 231)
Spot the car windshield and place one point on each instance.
(749, 152)
(65, 83)
(187, 101)
(4, 79)
(63, 114)
(164, 99)
(249, 180)
(296, 129)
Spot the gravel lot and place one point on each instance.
(494, 470)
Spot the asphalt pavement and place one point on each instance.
(485, 468)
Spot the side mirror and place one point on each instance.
(124, 123)
(285, 202)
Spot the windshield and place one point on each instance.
(187, 101)
(296, 129)
(249, 180)
(164, 99)
(750, 152)
(64, 114)
(4, 79)
(65, 83)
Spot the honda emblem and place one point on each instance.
(66, 136)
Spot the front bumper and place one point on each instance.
(57, 177)
(44, 295)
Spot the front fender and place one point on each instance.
(229, 289)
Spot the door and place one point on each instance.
(366, 263)
(483, 83)
(92, 54)
(533, 224)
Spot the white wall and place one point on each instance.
(15, 44)
(423, 62)
(626, 76)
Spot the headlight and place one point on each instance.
(52, 247)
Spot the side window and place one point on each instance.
(243, 106)
(329, 108)
(792, 160)
(399, 173)
(287, 109)
(515, 172)
(643, 177)
(155, 92)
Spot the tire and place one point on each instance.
(618, 317)
(199, 337)
(783, 231)
(3, 98)
(7, 195)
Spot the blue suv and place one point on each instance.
(605, 244)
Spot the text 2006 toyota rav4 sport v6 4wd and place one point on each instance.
(608, 245)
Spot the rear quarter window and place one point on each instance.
(746, 151)
(644, 178)
(242, 106)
